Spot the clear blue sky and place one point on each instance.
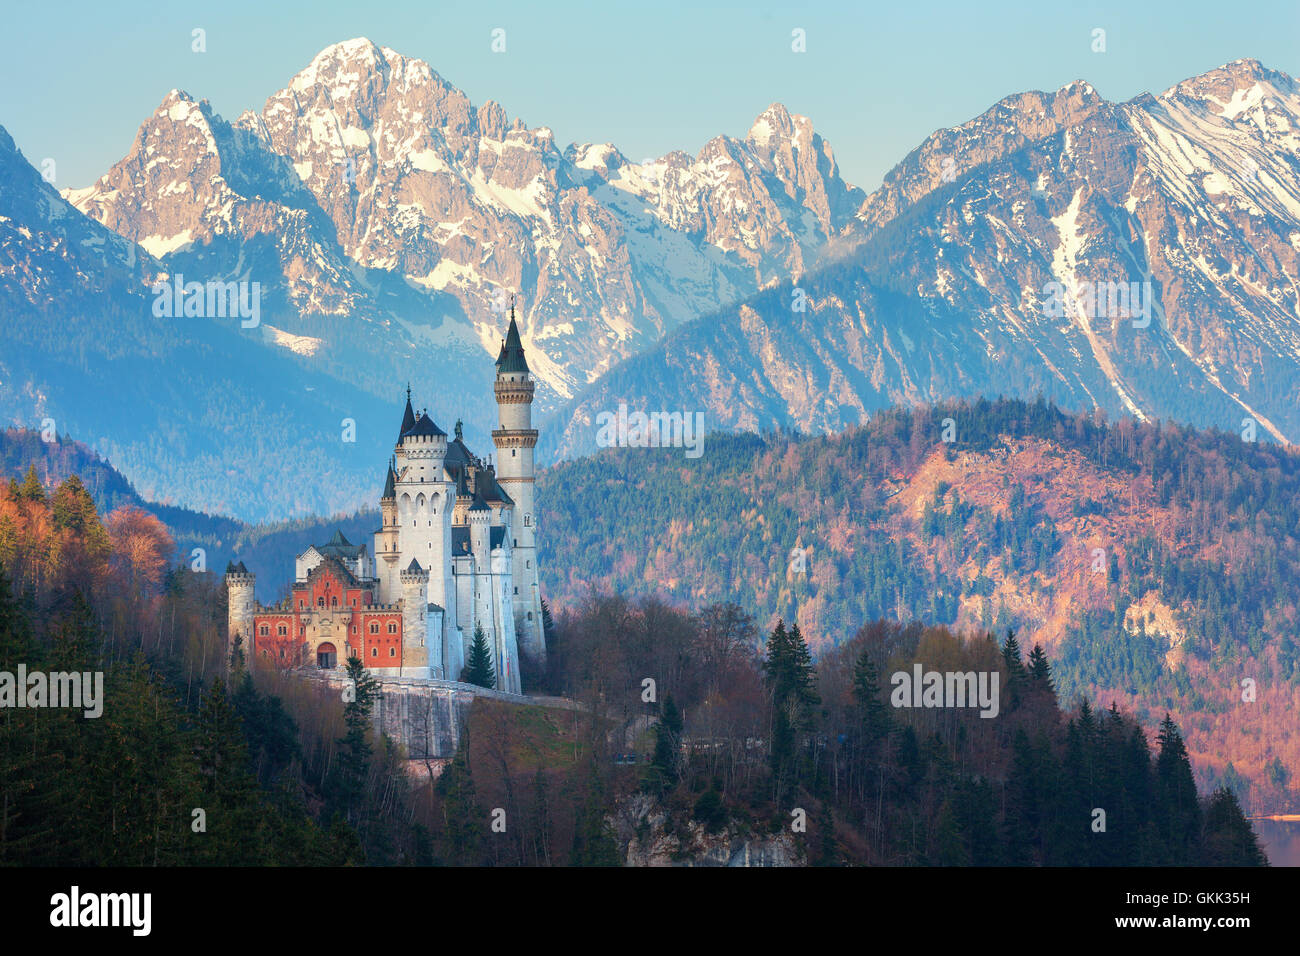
(77, 79)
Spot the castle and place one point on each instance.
(456, 550)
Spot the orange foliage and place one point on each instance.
(142, 547)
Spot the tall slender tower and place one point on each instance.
(241, 607)
(387, 549)
(515, 441)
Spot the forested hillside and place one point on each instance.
(1155, 563)
(185, 761)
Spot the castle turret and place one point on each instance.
(241, 605)
(479, 517)
(387, 544)
(415, 615)
(515, 441)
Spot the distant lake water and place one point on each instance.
(1281, 841)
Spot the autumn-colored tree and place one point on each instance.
(142, 547)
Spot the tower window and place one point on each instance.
(374, 652)
(528, 521)
(374, 628)
(392, 652)
(516, 589)
(514, 452)
(392, 627)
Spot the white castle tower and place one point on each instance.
(241, 606)
(515, 441)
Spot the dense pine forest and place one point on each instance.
(197, 759)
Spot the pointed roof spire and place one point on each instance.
(390, 486)
(511, 358)
(408, 417)
(478, 504)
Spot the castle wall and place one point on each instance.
(428, 717)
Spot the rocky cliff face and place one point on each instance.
(370, 187)
(640, 827)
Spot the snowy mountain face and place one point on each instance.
(182, 406)
(370, 188)
(1137, 257)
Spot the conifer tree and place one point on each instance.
(1040, 674)
(1227, 838)
(349, 778)
(1016, 675)
(229, 798)
(790, 678)
(479, 670)
(1179, 819)
(665, 764)
(463, 824)
(875, 717)
(31, 488)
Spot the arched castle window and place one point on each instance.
(528, 521)
(320, 602)
(334, 601)
(282, 631)
(374, 652)
(265, 630)
(392, 627)
(392, 652)
(374, 627)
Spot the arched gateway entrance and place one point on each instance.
(326, 657)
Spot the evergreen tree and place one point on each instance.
(790, 679)
(594, 843)
(1227, 838)
(664, 765)
(348, 783)
(1179, 819)
(479, 670)
(463, 827)
(874, 716)
(1016, 675)
(31, 488)
(1040, 674)
(232, 809)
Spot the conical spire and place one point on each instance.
(511, 358)
(408, 417)
(390, 483)
(478, 504)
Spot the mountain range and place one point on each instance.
(387, 223)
